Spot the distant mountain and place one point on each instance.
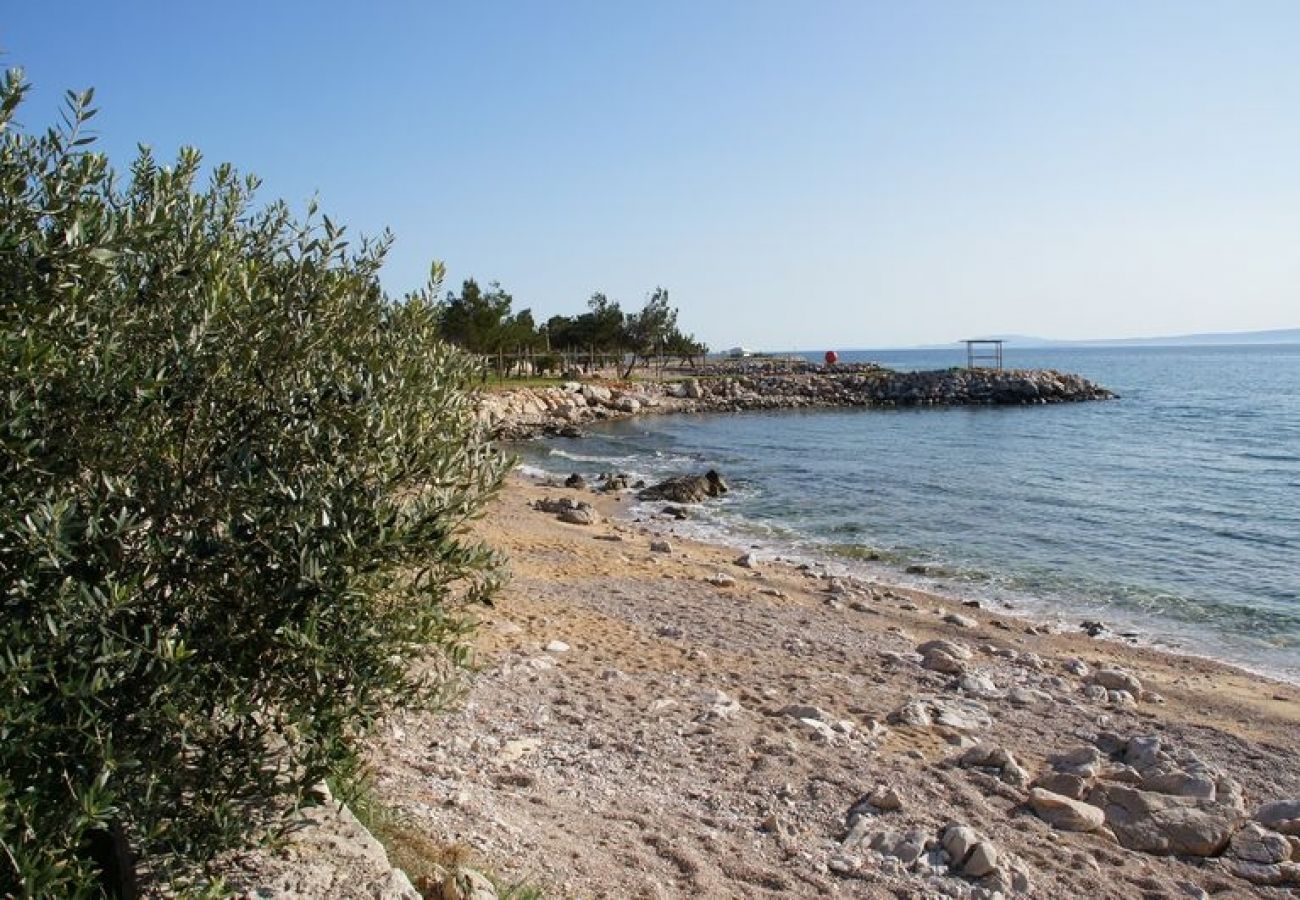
(1274, 336)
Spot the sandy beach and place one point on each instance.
(646, 723)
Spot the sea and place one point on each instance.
(1170, 515)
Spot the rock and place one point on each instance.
(960, 621)
(747, 561)
(660, 547)
(885, 799)
(1063, 783)
(804, 711)
(1030, 660)
(1281, 815)
(1163, 824)
(717, 706)
(1095, 692)
(1143, 752)
(996, 758)
(721, 580)
(959, 714)
(1263, 874)
(1064, 813)
(686, 488)
(676, 512)
(939, 661)
(959, 841)
(913, 713)
(906, 847)
(955, 649)
(1021, 696)
(1077, 667)
(978, 685)
(1117, 680)
(1259, 845)
(579, 516)
(468, 884)
(1084, 762)
(982, 860)
(575, 481)
(1180, 784)
(557, 647)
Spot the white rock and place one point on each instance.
(1064, 813)
(1118, 680)
(982, 861)
(959, 840)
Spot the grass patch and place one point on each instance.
(424, 859)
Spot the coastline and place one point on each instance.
(667, 724)
(522, 413)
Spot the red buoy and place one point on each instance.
(832, 357)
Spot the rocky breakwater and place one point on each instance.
(564, 409)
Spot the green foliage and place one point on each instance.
(482, 322)
(233, 483)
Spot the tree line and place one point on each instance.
(482, 321)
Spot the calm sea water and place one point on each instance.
(1174, 511)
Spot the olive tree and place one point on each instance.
(234, 484)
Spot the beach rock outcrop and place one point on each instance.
(559, 410)
(686, 488)
(566, 509)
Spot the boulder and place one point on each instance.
(939, 661)
(1064, 813)
(1281, 815)
(1164, 824)
(1117, 680)
(686, 488)
(954, 649)
(1259, 845)
(577, 516)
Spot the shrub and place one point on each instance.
(235, 478)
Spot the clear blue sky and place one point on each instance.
(797, 174)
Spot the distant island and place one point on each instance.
(1221, 338)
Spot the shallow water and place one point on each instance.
(1174, 510)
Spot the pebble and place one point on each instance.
(557, 647)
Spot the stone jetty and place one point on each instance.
(564, 409)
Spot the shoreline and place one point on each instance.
(1122, 626)
(658, 724)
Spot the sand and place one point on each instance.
(658, 748)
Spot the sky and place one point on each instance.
(798, 175)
